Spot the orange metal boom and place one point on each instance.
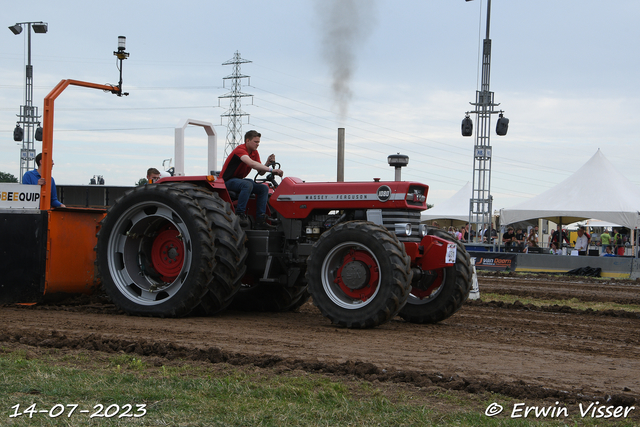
(47, 128)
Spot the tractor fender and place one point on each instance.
(432, 253)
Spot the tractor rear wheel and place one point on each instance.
(359, 274)
(444, 290)
(230, 249)
(155, 252)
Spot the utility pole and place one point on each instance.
(234, 113)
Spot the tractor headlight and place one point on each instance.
(403, 229)
(424, 230)
(416, 197)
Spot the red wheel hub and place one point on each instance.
(436, 281)
(167, 253)
(358, 275)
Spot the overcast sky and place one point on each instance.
(397, 75)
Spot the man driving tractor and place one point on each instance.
(238, 165)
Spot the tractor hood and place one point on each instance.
(295, 198)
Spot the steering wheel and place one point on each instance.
(270, 177)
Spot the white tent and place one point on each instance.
(596, 190)
(600, 223)
(455, 208)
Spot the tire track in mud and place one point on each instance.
(522, 351)
(562, 287)
(517, 352)
(353, 369)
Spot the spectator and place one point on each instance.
(617, 241)
(582, 242)
(520, 237)
(532, 239)
(554, 236)
(617, 237)
(465, 233)
(554, 249)
(484, 234)
(153, 175)
(607, 251)
(35, 177)
(605, 238)
(509, 238)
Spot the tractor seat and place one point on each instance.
(234, 195)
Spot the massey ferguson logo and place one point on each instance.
(383, 193)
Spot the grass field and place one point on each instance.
(43, 385)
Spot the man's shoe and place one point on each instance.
(244, 221)
(261, 224)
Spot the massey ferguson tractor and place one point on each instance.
(175, 248)
(358, 248)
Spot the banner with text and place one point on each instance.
(19, 196)
(494, 261)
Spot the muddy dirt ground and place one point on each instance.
(522, 351)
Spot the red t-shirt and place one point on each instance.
(236, 168)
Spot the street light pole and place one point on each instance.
(28, 116)
(480, 204)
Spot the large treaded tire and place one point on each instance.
(359, 274)
(450, 296)
(229, 240)
(139, 228)
(271, 297)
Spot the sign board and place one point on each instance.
(19, 196)
(27, 154)
(483, 152)
(450, 256)
(494, 261)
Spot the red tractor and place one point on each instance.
(358, 248)
(176, 247)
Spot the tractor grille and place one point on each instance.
(392, 217)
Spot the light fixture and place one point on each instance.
(403, 229)
(18, 133)
(502, 126)
(398, 160)
(39, 27)
(121, 55)
(16, 29)
(38, 133)
(467, 126)
(122, 45)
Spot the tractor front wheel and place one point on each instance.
(441, 292)
(359, 274)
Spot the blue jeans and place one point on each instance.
(244, 188)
